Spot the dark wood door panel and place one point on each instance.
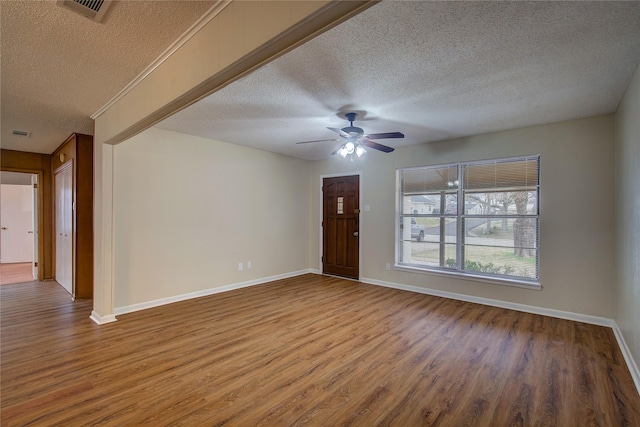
(340, 201)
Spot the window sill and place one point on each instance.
(473, 277)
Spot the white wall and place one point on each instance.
(189, 209)
(627, 162)
(576, 204)
(16, 202)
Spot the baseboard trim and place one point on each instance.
(584, 318)
(101, 320)
(205, 292)
(567, 315)
(626, 353)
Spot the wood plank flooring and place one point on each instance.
(310, 350)
(16, 273)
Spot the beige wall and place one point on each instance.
(576, 204)
(189, 209)
(627, 161)
(241, 36)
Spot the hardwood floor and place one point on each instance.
(16, 273)
(310, 350)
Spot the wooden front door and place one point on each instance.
(340, 226)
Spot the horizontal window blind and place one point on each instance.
(479, 218)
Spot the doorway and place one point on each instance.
(19, 228)
(340, 226)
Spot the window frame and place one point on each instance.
(460, 216)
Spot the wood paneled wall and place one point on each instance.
(18, 161)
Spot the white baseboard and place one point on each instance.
(585, 318)
(101, 320)
(206, 292)
(626, 353)
(594, 320)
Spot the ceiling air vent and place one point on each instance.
(20, 133)
(92, 9)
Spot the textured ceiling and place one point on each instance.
(432, 70)
(59, 67)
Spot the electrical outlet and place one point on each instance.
(388, 267)
(239, 266)
(248, 265)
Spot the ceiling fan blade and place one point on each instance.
(318, 140)
(385, 135)
(340, 132)
(376, 146)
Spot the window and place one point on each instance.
(484, 222)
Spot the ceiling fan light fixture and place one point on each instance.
(354, 139)
(349, 147)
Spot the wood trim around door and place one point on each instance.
(41, 220)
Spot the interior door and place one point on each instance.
(34, 224)
(340, 226)
(64, 227)
(16, 240)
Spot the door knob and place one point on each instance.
(3, 228)
(29, 232)
(355, 233)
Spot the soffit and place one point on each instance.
(59, 67)
(432, 70)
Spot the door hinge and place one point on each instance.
(35, 185)
(322, 224)
(35, 264)
(321, 259)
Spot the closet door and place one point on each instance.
(64, 227)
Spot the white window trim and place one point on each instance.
(494, 280)
(533, 284)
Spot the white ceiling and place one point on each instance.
(432, 70)
(58, 67)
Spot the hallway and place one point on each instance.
(16, 273)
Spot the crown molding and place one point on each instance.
(190, 32)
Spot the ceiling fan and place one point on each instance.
(355, 140)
